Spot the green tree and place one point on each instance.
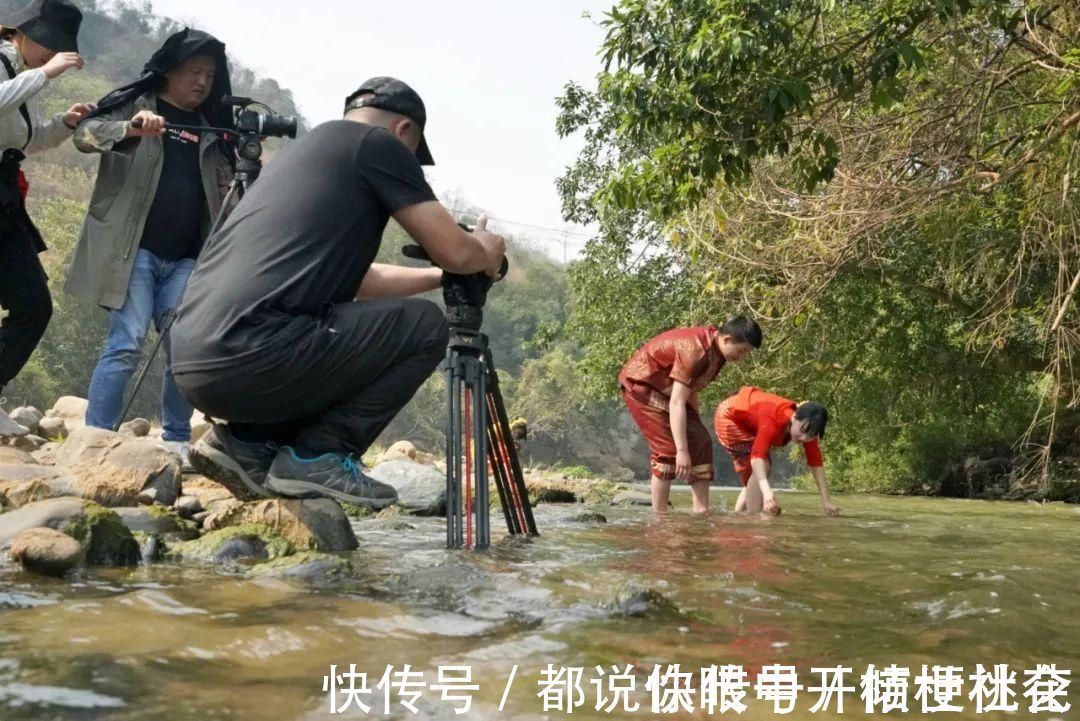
(887, 185)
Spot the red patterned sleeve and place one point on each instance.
(763, 439)
(688, 355)
(813, 454)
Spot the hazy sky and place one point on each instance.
(488, 70)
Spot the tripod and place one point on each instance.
(248, 167)
(478, 433)
(478, 436)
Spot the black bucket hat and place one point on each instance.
(395, 96)
(56, 27)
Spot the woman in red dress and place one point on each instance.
(751, 423)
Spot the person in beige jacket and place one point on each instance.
(161, 181)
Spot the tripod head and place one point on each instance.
(464, 295)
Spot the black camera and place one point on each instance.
(463, 295)
(266, 124)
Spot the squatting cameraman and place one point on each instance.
(289, 331)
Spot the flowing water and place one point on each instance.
(895, 581)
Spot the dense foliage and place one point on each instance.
(888, 186)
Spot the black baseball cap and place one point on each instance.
(56, 26)
(395, 96)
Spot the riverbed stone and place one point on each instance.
(28, 443)
(156, 520)
(25, 483)
(115, 470)
(104, 538)
(28, 417)
(309, 567)
(15, 456)
(53, 428)
(137, 427)
(632, 498)
(636, 601)
(55, 513)
(235, 543)
(421, 489)
(590, 517)
(46, 551)
(70, 408)
(308, 524)
(188, 506)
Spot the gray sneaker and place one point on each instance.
(333, 475)
(238, 465)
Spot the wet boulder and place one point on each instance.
(46, 551)
(53, 428)
(104, 539)
(115, 470)
(307, 524)
(421, 489)
(233, 544)
(71, 409)
(308, 567)
(25, 483)
(157, 520)
(28, 417)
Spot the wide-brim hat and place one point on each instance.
(56, 26)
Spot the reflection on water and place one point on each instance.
(896, 581)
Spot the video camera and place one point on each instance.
(267, 124)
(464, 295)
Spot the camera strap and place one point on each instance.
(23, 110)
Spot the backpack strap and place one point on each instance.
(23, 110)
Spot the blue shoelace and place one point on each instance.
(352, 467)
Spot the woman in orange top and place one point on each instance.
(751, 423)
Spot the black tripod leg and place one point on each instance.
(517, 478)
(453, 451)
(479, 434)
(449, 500)
(501, 472)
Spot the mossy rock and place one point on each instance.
(105, 539)
(211, 548)
(634, 601)
(590, 517)
(307, 566)
(601, 492)
(552, 495)
(357, 512)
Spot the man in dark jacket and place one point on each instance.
(156, 194)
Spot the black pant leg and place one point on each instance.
(24, 294)
(337, 386)
(390, 366)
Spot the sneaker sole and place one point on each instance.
(217, 466)
(303, 489)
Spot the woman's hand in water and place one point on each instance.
(61, 63)
(770, 506)
(830, 509)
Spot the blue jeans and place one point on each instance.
(154, 289)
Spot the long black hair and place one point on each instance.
(814, 417)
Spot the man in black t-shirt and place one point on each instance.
(150, 213)
(288, 329)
